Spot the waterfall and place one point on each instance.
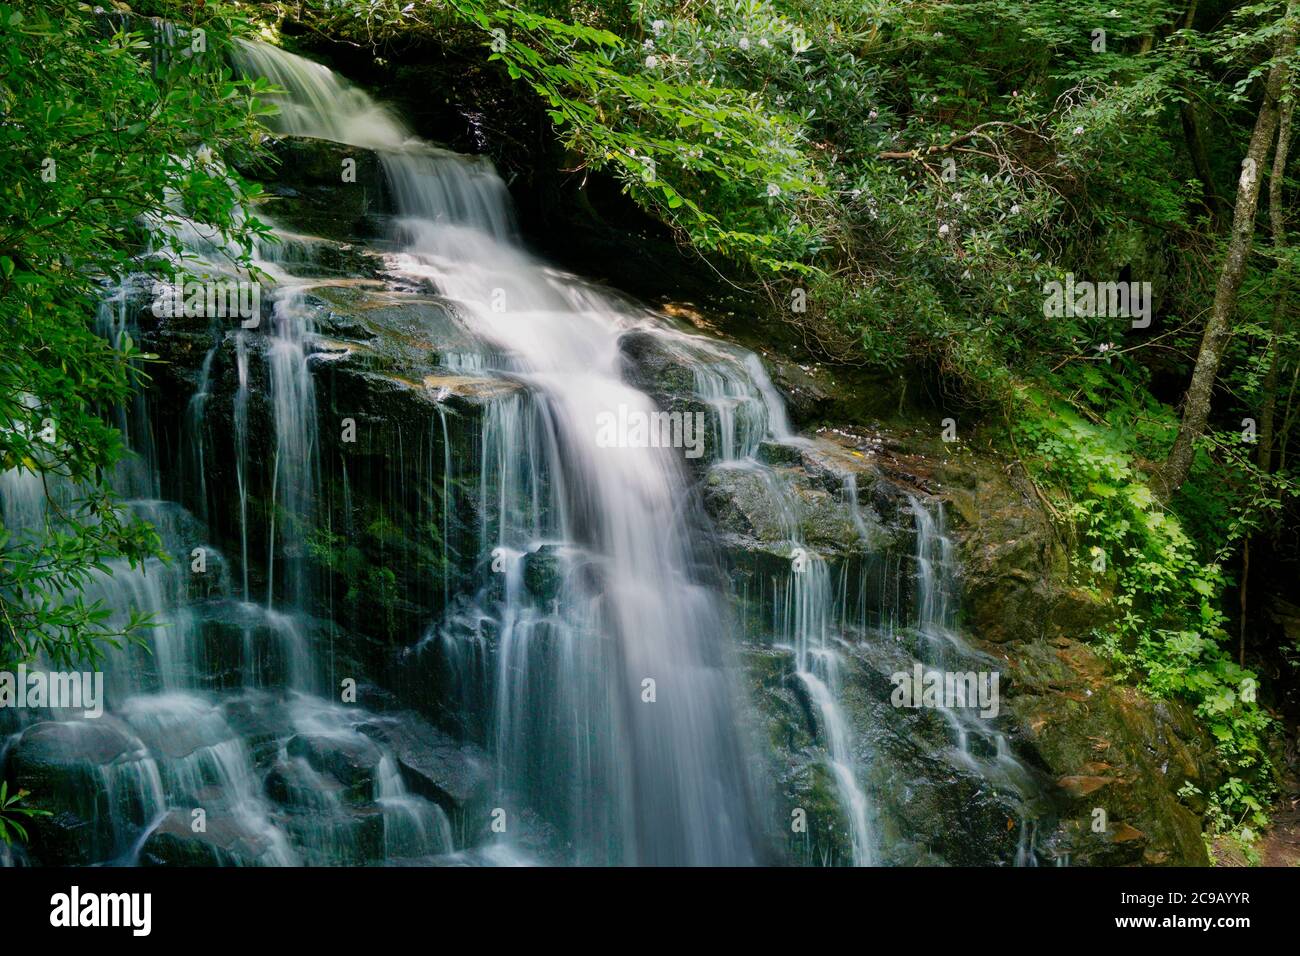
(978, 745)
(631, 775)
(295, 469)
(214, 725)
(747, 410)
(582, 607)
(807, 621)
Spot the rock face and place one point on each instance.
(224, 842)
(1069, 740)
(390, 363)
(306, 189)
(94, 777)
(452, 773)
(1111, 749)
(823, 535)
(1106, 746)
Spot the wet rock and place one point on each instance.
(223, 842)
(544, 572)
(1105, 745)
(453, 774)
(1115, 750)
(261, 721)
(308, 257)
(307, 190)
(242, 644)
(351, 759)
(409, 335)
(779, 453)
(293, 783)
(650, 364)
(96, 780)
(754, 508)
(745, 508)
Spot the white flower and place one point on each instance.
(943, 229)
(659, 26)
(763, 42)
(773, 189)
(1078, 131)
(872, 115)
(651, 61)
(1015, 209)
(648, 45)
(744, 43)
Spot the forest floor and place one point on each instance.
(1279, 845)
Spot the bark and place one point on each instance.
(1195, 140)
(1277, 226)
(1281, 294)
(1196, 404)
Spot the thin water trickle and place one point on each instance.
(942, 647)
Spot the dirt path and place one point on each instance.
(1280, 844)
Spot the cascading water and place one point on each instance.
(594, 630)
(613, 708)
(977, 743)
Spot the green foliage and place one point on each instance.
(10, 811)
(1169, 630)
(107, 131)
(722, 166)
(369, 585)
(932, 166)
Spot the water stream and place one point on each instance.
(614, 710)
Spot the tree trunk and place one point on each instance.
(1196, 150)
(1277, 223)
(1196, 404)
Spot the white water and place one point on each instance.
(623, 779)
(628, 779)
(943, 647)
(633, 781)
(748, 411)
